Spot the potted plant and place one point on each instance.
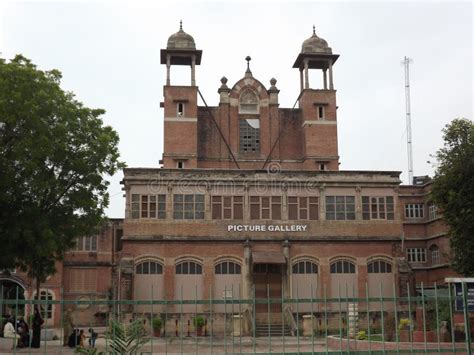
(156, 323)
(404, 328)
(198, 323)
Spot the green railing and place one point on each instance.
(434, 321)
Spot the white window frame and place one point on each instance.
(220, 270)
(435, 256)
(415, 210)
(44, 295)
(189, 208)
(11, 271)
(378, 208)
(136, 208)
(341, 207)
(416, 255)
(432, 211)
(88, 243)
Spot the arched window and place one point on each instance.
(249, 123)
(248, 102)
(188, 268)
(227, 268)
(305, 267)
(379, 267)
(342, 267)
(148, 268)
(46, 310)
(435, 255)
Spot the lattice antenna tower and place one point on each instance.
(406, 64)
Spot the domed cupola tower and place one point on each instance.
(180, 103)
(315, 54)
(318, 106)
(181, 50)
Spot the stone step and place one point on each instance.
(274, 329)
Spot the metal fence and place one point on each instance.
(435, 320)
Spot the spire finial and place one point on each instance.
(180, 25)
(248, 72)
(314, 30)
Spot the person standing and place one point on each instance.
(9, 331)
(24, 332)
(93, 337)
(37, 323)
(68, 326)
(82, 339)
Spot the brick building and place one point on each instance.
(250, 198)
(250, 201)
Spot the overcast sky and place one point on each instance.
(109, 56)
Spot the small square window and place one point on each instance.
(180, 164)
(180, 110)
(320, 113)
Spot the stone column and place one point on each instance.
(325, 279)
(128, 200)
(168, 66)
(306, 78)
(322, 203)
(246, 203)
(286, 270)
(331, 84)
(362, 279)
(169, 280)
(247, 272)
(358, 203)
(169, 201)
(126, 284)
(301, 80)
(193, 71)
(208, 278)
(325, 78)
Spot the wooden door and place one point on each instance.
(267, 281)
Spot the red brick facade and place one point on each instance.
(172, 213)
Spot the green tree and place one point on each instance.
(55, 154)
(453, 191)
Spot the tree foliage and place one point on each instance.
(453, 191)
(123, 339)
(54, 156)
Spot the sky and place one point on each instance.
(109, 55)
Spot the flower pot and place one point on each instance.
(405, 335)
(419, 337)
(157, 332)
(199, 331)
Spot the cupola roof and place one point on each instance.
(181, 40)
(315, 44)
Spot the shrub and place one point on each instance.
(156, 323)
(198, 321)
(361, 335)
(404, 324)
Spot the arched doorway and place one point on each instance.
(12, 288)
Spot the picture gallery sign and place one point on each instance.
(267, 227)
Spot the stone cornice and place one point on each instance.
(363, 178)
(188, 239)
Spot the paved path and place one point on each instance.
(173, 346)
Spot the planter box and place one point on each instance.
(405, 336)
(418, 336)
